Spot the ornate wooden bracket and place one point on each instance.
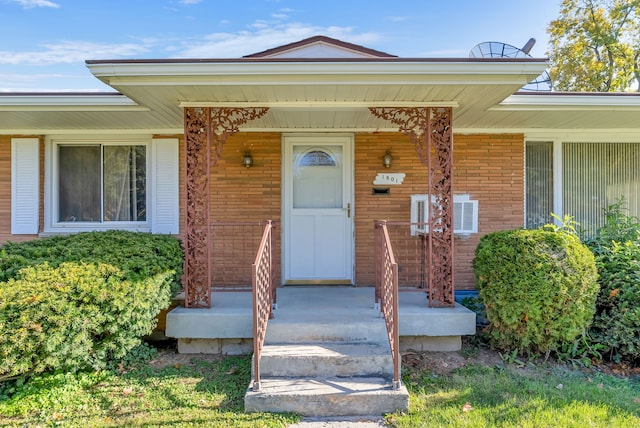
(225, 122)
(205, 132)
(430, 129)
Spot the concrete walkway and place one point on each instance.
(355, 422)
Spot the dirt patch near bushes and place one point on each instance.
(439, 363)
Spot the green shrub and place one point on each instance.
(75, 316)
(82, 301)
(139, 255)
(615, 331)
(618, 226)
(617, 321)
(475, 304)
(538, 286)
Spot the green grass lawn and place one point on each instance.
(209, 392)
(507, 396)
(199, 393)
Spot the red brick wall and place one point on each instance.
(5, 188)
(240, 194)
(369, 151)
(490, 168)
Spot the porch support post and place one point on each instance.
(205, 132)
(430, 129)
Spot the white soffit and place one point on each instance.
(553, 101)
(68, 102)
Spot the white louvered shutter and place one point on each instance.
(465, 216)
(25, 194)
(165, 216)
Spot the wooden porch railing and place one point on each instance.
(263, 290)
(387, 290)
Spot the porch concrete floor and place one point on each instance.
(230, 316)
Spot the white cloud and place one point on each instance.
(263, 35)
(63, 81)
(30, 4)
(72, 52)
(451, 53)
(397, 18)
(190, 1)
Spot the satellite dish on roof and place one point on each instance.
(503, 50)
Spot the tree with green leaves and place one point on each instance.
(594, 46)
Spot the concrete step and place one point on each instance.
(329, 359)
(327, 397)
(307, 329)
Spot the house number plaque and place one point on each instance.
(387, 178)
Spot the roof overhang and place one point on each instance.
(563, 111)
(559, 101)
(317, 95)
(294, 88)
(68, 102)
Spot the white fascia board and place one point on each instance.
(156, 71)
(61, 102)
(319, 105)
(569, 102)
(585, 135)
(93, 132)
(541, 134)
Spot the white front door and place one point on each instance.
(318, 209)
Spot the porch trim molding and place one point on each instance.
(206, 131)
(431, 131)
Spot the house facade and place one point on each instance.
(324, 138)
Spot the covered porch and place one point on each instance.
(323, 199)
(318, 117)
(324, 88)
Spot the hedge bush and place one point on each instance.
(70, 306)
(617, 321)
(615, 331)
(539, 288)
(618, 227)
(139, 255)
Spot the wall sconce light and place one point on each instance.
(387, 159)
(247, 160)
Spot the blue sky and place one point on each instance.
(44, 43)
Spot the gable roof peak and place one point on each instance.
(320, 47)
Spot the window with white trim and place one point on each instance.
(539, 184)
(100, 183)
(594, 175)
